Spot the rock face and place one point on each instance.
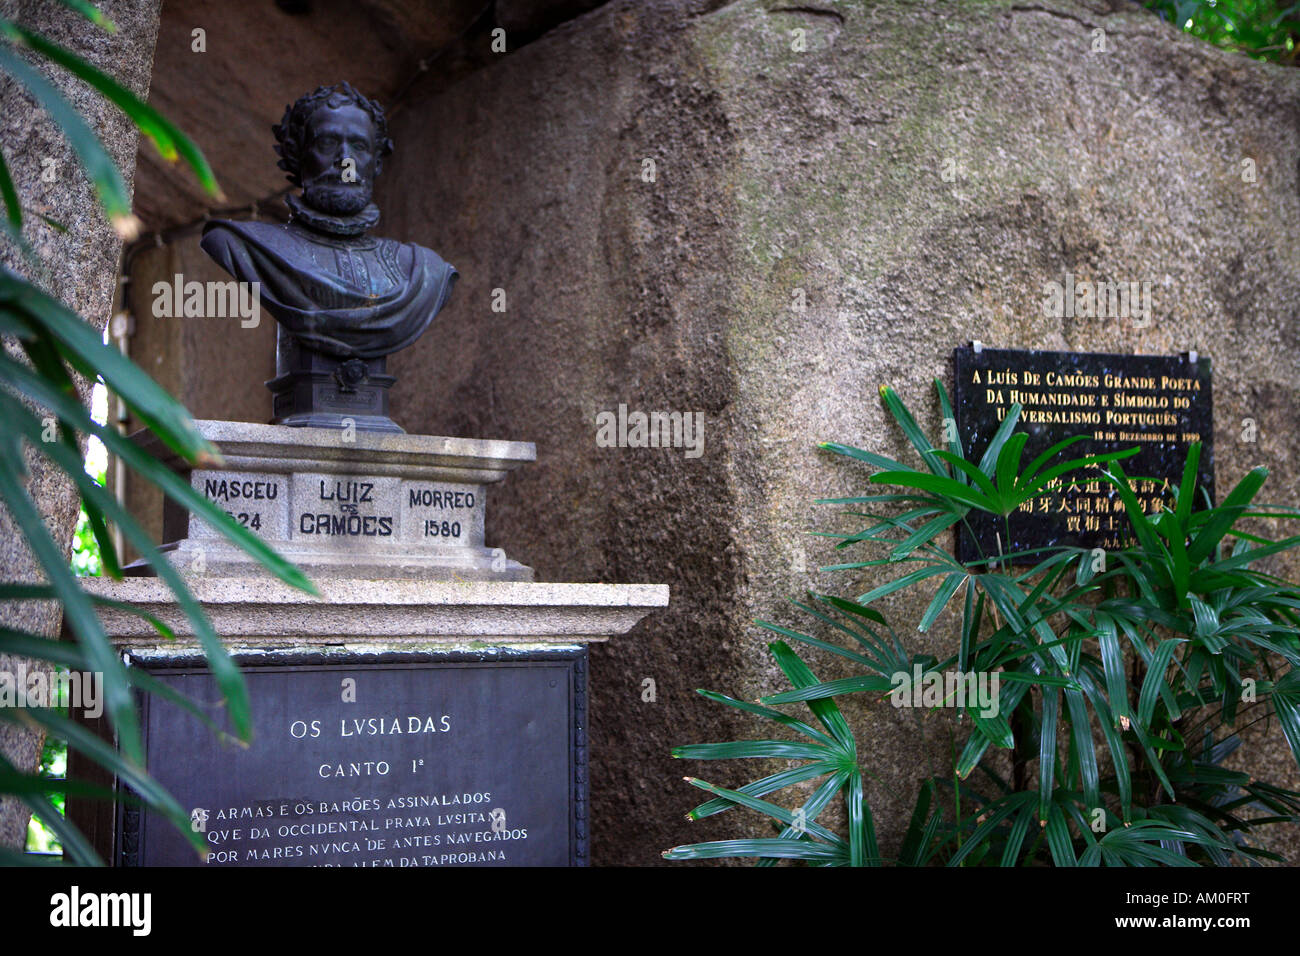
(646, 194)
(79, 267)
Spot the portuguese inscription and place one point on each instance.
(341, 507)
(259, 502)
(437, 513)
(363, 512)
(402, 765)
(1157, 404)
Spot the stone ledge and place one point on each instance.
(350, 610)
(247, 446)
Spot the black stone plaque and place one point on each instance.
(1156, 403)
(404, 761)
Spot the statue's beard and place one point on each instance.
(335, 198)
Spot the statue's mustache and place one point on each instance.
(335, 177)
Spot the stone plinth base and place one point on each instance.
(345, 503)
(394, 723)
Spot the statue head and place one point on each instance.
(332, 143)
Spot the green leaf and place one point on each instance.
(827, 711)
(112, 192)
(13, 208)
(899, 583)
(978, 744)
(1047, 750)
(23, 591)
(769, 713)
(91, 13)
(854, 607)
(1225, 516)
(1114, 742)
(870, 457)
(941, 597)
(1058, 838)
(938, 484)
(154, 471)
(1187, 489)
(108, 757)
(1042, 680)
(924, 535)
(45, 358)
(911, 429)
(1180, 571)
(1081, 734)
(1030, 472)
(84, 349)
(1008, 465)
(995, 726)
(170, 142)
(778, 813)
(833, 688)
(766, 785)
(918, 835)
(751, 750)
(945, 409)
(1030, 488)
(1112, 660)
(78, 613)
(224, 672)
(12, 782)
(994, 816)
(964, 467)
(861, 633)
(1155, 678)
(1016, 839)
(75, 845)
(863, 850)
(814, 642)
(1141, 525)
(989, 461)
(23, 644)
(1286, 704)
(781, 849)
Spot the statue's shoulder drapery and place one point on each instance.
(351, 299)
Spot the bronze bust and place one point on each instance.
(342, 299)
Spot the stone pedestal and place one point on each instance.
(318, 391)
(428, 707)
(463, 742)
(357, 504)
